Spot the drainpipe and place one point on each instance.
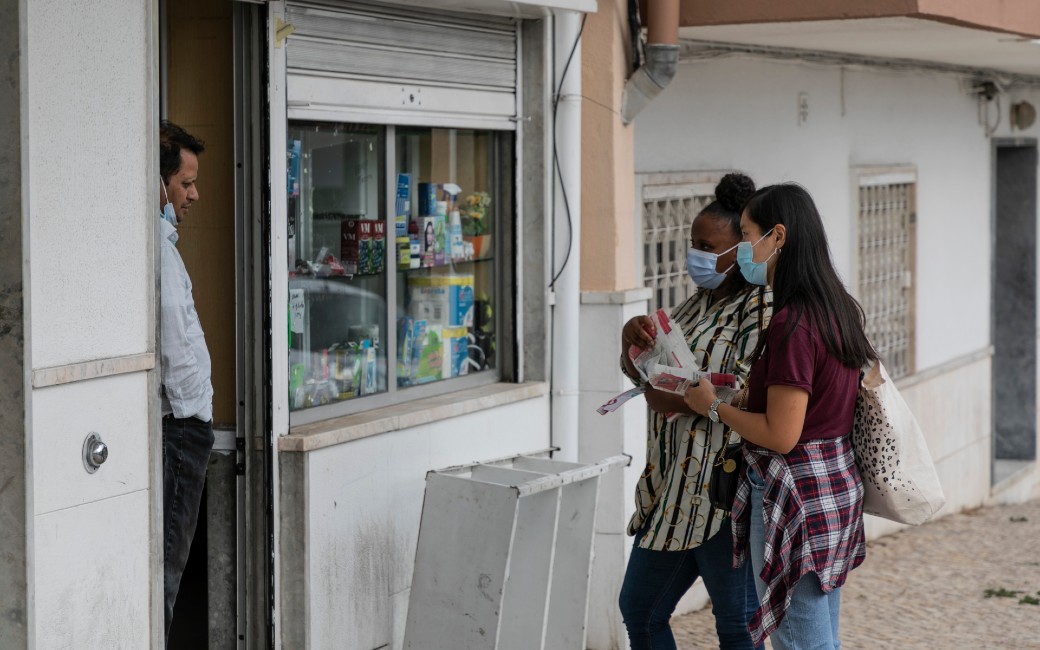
(662, 58)
(566, 290)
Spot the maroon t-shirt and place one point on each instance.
(803, 361)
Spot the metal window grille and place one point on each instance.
(887, 243)
(668, 213)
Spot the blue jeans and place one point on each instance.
(186, 446)
(656, 580)
(811, 621)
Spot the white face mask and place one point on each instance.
(168, 212)
(702, 265)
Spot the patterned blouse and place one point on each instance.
(672, 504)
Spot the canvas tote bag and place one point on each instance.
(899, 479)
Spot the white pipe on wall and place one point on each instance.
(662, 59)
(566, 27)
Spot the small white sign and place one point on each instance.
(296, 307)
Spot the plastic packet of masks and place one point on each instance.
(677, 383)
(670, 350)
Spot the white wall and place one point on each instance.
(603, 314)
(88, 143)
(364, 500)
(88, 93)
(743, 114)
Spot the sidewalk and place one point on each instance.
(926, 587)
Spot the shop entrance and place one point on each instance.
(210, 85)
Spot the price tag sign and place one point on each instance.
(296, 308)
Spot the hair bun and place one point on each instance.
(734, 190)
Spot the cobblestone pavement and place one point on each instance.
(926, 587)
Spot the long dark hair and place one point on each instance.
(804, 279)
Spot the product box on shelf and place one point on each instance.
(403, 205)
(440, 233)
(456, 244)
(363, 246)
(404, 253)
(404, 350)
(417, 340)
(445, 300)
(456, 350)
(429, 365)
(427, 199)
(428, 239)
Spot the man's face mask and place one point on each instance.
(168, 213)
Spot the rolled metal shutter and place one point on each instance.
(361, 61)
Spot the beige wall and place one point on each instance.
(607, 186)
(1014, 16)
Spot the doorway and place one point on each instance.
(1014, 309)
(211, 85)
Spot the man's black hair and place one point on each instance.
(172, 140)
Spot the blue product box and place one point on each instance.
(427, 199)
(294, 169)
(403, 206)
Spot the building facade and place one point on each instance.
(422, 226)
(911, 124)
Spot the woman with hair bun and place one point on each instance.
(799, 513)
(679, 535)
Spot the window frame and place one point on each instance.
(506, 144)
(875, 176)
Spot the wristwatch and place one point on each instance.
(713, 410)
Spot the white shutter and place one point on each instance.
(367, 62)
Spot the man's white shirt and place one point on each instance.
(186, 365)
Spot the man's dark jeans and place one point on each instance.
(186, 446)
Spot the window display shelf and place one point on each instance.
(376, 302)
(447, 266)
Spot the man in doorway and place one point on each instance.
(187, 392)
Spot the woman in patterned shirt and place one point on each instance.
(678, 534)
(800, 512)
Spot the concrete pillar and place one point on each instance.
(14, 625)
(608, 228)
(611, 294)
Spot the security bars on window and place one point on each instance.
(887, 216)
(668, 213)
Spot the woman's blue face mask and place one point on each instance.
(754, 272)
(702, 265)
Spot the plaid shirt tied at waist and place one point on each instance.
(813, 510)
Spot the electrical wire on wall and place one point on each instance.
(556, 163)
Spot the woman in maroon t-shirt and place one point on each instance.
(800, 512)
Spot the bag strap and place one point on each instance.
(739, 405)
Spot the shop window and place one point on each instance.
(670, 203)
(887, 216)
(394, 262)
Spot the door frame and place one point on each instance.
(256, 518)
(996, 144)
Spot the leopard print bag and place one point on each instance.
(899, 478)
